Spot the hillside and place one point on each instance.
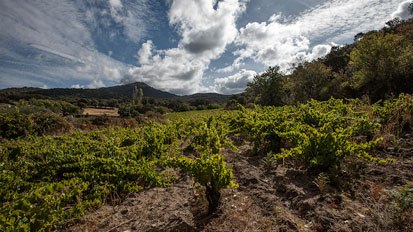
(212, 97)
(119, 92)
(115, 92)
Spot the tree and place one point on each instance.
(140, 96)
(382, 65)
(134, 94)
(267, 88)
(310, 80)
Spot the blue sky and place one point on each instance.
(180, 46)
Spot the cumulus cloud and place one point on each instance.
(235, 83)
(206, 27)
(96, 84)
(171, 70)
(403, 10)
(236, 64)
(318, 51)
(112, 74)
(145, 53)
(77, 86)
(281, 42)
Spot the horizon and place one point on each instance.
(119, 85)
(177, 46)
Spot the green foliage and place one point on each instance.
(103, 164)
(209, 135)
(324, 148)
(310, 80)
(193, 115)
(49, 123)
(378, 64)
(59, 107)
(140, 96)
(14, 125)
(42, 206)
(267, 88)
(395, 115)
(210, 171)
(162, 109)
(320, 134)
(402, 202)
(47, 181)
(381, 64)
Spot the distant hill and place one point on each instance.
(212, 97)
(114, 92)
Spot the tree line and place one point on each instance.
(379, 64)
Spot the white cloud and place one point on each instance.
(281, 42)
(171, 70)
(145, 53)
(234, 84)
(205, 33)
(115, 3)
(112, 74)
(403, 10)
(77, 86)
(236, 64)
(133, 15)
(319, 51)
(58, 53)
(49, 41)
(96, 84)
(116, 10)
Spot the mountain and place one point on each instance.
(211, 97)
(114, 92)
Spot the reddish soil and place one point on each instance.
(271, 197)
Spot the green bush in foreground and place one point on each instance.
(209, 171)
(320, 134)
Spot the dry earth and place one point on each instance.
(100, 111)
(270, 197)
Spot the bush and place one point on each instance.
(210, 171)
(50, 123)
(101, 120)
(14, 125)
(162, 109)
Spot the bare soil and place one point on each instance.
(271, 197)
(113, 112)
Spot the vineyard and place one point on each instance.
(52, 182)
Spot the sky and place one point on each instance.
(179, 46)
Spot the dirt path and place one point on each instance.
(269, 198)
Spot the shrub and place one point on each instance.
(14, 125)
(49, 123)
(210, 171)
